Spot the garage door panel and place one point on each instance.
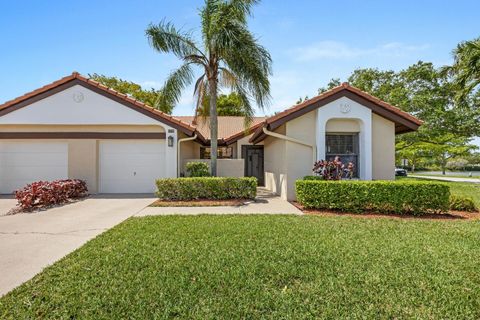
(32, 173)
(131, 166)
(143, 159)
(22, 163)
(15, 160)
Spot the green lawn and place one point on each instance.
(465, 189)
(276, 267)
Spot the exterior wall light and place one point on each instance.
(170, 141)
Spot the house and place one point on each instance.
(78, 128)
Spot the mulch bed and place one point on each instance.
(201, 203)
(452, 215)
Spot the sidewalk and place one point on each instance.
(451, 179)
(265, 203)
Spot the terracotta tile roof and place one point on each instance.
(288, 113)
(230, 128)
(345, 86)
(132, 102)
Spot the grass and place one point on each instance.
(273, 267)
(466, 189)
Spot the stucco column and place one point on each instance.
(321, 138)
(171, 154)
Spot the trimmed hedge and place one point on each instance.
(197, 169)
(461, 203)
(401, 197)
(211, 188)
(313, 178)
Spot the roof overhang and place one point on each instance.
(404, 122)
(76, 79)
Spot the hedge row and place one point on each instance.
(47, 193)
(401, 197)
(211, 188)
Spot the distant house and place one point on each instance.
(78, 128)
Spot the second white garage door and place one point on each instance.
(131, 166)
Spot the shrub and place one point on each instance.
(334, 170)
(47, 193)
(211, 188)
(461, 203)
(313, 178)
(403, 197)
(197, 169)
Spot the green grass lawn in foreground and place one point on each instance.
(276, 267)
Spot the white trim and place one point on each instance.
(355, 111)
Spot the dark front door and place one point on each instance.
(253, 156)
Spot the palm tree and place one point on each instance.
(229, 56)
(466, 67)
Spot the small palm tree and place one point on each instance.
(466, 67)
(229, 56)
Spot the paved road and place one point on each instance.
(452, 179)
(30, 242)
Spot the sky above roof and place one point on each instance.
(310, 41)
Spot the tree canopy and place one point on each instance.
(227, 105)
(150, 96)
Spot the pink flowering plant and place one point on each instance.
(334, 170)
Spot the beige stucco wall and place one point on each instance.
(343, 125)
(83, 162)
(383, 148)
(225, 167)
(299, 158)
(275, 164)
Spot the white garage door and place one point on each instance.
(131, 166)
(24, 162)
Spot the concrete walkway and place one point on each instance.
(265, 203)
(451, 179)
(31, 241)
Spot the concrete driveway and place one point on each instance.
(31, 241)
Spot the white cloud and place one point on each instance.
(341, 50)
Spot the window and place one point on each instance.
(222, 153)
(344, 146)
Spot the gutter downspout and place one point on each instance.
(287, 138)
(178, 151)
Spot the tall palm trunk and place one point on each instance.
(213, 125)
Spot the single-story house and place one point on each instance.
(78, 128)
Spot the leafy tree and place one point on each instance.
(134, 90)
(227, 105)
(228, 55)
(330, 85)
(466, 67)
(300, 100)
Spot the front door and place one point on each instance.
(253, 156)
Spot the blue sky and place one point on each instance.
(310, 41)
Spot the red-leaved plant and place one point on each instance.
(47, 193)
(333, 170)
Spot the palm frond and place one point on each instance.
(175, 83)
(164, 37)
